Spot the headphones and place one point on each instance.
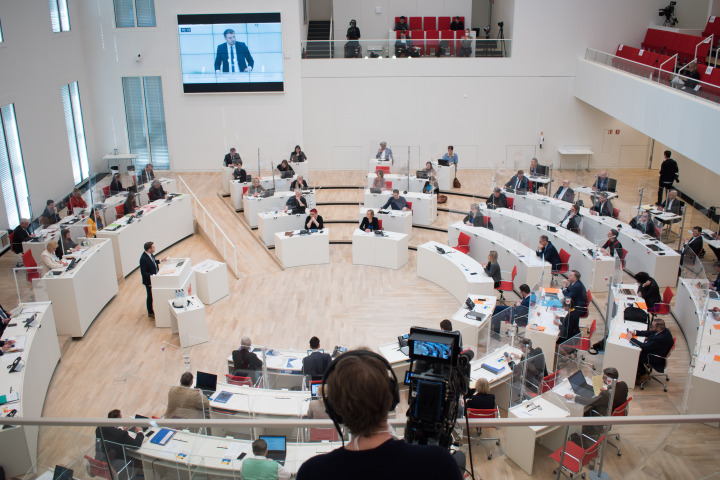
(353, 22)
(392, 384)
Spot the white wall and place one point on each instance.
(690, 13)
(319, 9)
(35, 63)
(200, 127)
(376, 26)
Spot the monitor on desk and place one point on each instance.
(277, 447)
(314, 387)
(422, 174)
(443, 163)
(309, 352)
(207, 382)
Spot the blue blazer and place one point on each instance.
(577, 292)
(524, 184)
(388, 154)
(551, 255)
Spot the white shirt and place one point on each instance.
(562, 193)
(231, 58)
(382, 154)
(153, 260)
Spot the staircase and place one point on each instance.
(318, 39)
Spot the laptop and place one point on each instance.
(422, 174)
(375, 190)
(287, 174)
(309, 352)
(72, 264)
(207, 382)
(580, 385)
(62, 473)
(142, 417)
(653, 247)
(443, 163)
(268, 193)
(277, 447)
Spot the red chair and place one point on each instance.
(99, 468)
(623, 254)
(620, 411)
(658, 232)
(548, 383)
(587, 309)
(585, 341)
(660, 371)
(616, 213)
(510, 202)
(106, 191)
(486, 220)
(245, 189)
(120, 211)
(463, 243)
(385, 169)
(449, 37)
(236, 380)
(10, 236)
(430, 23)
(415, 23)
(713, 28)
(564, 266)
(380, 223)
(388, 185)
(444, 23)
(320, 434)
(507, 285)
(86, 231)
(484, 413)
(576, 457)
(432, 41)
(409, 206)
(662, 308)
(30, 263)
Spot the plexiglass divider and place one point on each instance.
(29, 284)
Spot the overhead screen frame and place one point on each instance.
(234, 87)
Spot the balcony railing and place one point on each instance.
(391, 48)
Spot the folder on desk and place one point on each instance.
(9, 398)
(223, 397)
(163, 436)
(492, 369)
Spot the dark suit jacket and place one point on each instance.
(148, 267)
(3, 325)
(294, 185)
(569, 195)
(500, 202)
(115, 439)
(242, 57)
(115, 187)
(20, 235)
(601, 185)
(715, 284)
(246, 360)
(573, 223)
(319, 220)
(493, 271)
(655, 344)
(551, 255)
(145, 178)
(647, 229)
(482, 401)
(651, 293)
(604, 210)
(240, 174)
(229, 158)
(374, 225)
(297, 206)
(156, 194)
(676, 206)
(570, 325)
(316, 363)
(613, 246)
(524, 183)
(478, 221)
(129, 207)
(695, 244)
(599, 402)
(577, 292)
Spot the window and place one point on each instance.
(75, 131)
(12, 169)
(145, 115)
(59, 16)
(131, 13)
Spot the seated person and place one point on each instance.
(401, 25)
(476, 219)
(130, 204)
(572, 219)
(369, 223)
(255, 188)
(536, 170)
(185, 401)
(66, 244)
(447, 326)
(244, 359)
(296, 204)
(450, 156)
(648, 289)
(565, 193)
(653, 350)
(156, 192)
(457, 24)
(602, 182)
(147, 174)
(465, 49)
(547, 251)
(116, 184)
(396, 202)
(672, 204)
(49, 215)
(403, 46)
(643, 223)
(597, 405)
(492, 267)
(384, 153)
(95, 223)
(299, 182)
(316, 409)
(379, 180)
(314, 221)
(482, 399)
(284, 166)
(518, 181)
(517, 314)
(258, 467)
(693, 246)
(317, 362)
(536, 364)
(239, 174)
(612, 245)
(76, 201)
(431, 185)
(21, 234)
(48, 257)
(497, 199)
(602, 206)
(298, 155)
(111, 443)
(568, 322)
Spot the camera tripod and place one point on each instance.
(501, 38)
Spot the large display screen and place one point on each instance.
(231, 52)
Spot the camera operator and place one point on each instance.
(361, 391)
(352, 47)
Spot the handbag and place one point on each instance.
(635, 314)
(456, 183)
(442, 198)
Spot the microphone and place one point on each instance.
(662, 50)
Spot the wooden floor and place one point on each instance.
(125, 362)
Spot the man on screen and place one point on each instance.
(232, 56)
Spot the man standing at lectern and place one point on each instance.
(232, 56)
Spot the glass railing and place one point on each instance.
(391, 48)
(663, 75)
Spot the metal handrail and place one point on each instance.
(230, 257)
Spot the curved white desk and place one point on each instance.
(254, 205)
(270, 223)
(399, 181)
(18, 454)
(424, 205)
(510, 253)
(238, 189)
(470, 328)
(299, 250)
(393, 220)
(456, 272)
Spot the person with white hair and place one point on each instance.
(384, 153)
(156, 191)
(244, 359)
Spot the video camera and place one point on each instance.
(669, 14)
(438, 377)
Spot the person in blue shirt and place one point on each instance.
(547, 251)
(396, 202)
(575, 289)
(452, 157)
(517, 314)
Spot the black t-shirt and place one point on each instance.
(392, 460)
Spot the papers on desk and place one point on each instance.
(19, 343)
(163, 436)
(9, 398)
(206, 266)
